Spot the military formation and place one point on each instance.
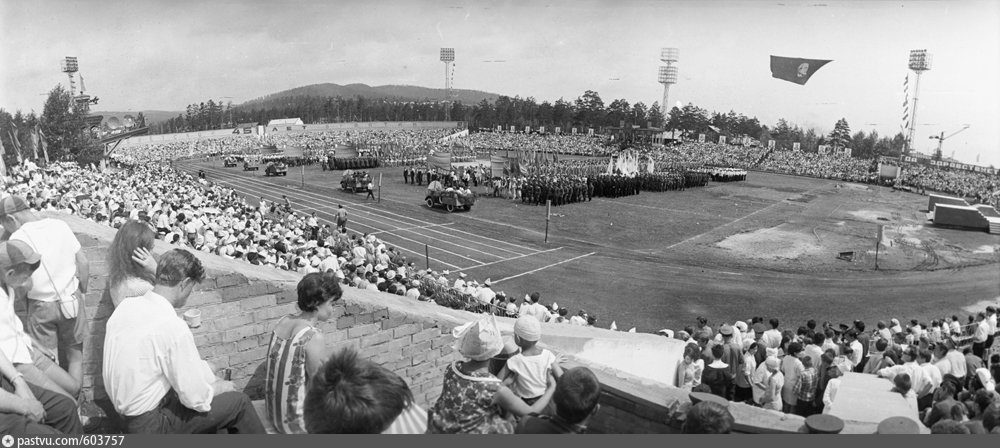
(350, 163)
(561, 190)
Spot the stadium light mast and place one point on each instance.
(448, 57)
(920, 61)
(668, 75)
(70, 66)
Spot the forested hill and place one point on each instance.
(395, 92)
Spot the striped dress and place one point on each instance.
(286, 381)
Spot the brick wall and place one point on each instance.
(238, 314)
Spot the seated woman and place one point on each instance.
(473, 400)
(131, 264)
(296, 352)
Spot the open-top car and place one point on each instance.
(449, 199)
(355, 181)
(276, 169)
(229, 162)
(251, 165)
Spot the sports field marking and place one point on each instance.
(509, 259)
(544, 267)
(412, 228)
(384, 215)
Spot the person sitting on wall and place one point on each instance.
(153, 373)
(297, 350)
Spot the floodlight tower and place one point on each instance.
(920, 61)
(448, 57)
(668, 75)
(70, 67)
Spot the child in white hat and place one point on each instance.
(528, 372)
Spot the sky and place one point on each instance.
(162, 55)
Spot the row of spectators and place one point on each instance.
(578, 144)
(798, 370)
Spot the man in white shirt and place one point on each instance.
(152, 371)
(536, 309)
(772, 337)
(918, 378)
(56, 314)
(30, 403)
(460, 282)
(486, 294)
(980, 335)
(991, 319)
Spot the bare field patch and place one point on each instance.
(771, 244)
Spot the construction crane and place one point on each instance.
(941, 138)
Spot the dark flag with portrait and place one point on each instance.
(797, 70)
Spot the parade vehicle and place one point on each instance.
(355, 181)
(449, 199)
(229, 162)
(276, 169)
(251, 165)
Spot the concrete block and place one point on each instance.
(234, 293)
(374, 339)
(426, 335)
(412, 349)
(362, 330)
(405, 330)
(257, 302)
(235, 321)
(231, 280)
(254, 355)
(344, 322)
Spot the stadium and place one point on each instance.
(689, 271)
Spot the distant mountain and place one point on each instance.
(152, 116)
(406, 93)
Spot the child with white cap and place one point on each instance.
(528, 372)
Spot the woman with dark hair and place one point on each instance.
(296, 352)
(690, 369)
(130, 261)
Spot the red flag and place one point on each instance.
(797, 70)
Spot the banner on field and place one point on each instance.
(770, 144)
(541, 129)
(796, 146)
(590, 131)
(440, 160)
(558, 130)
(889, 171)
(574, 131)
(498, 165)
(823, 149)
(527, 129)
(512, 129)
(701, 138)
(499, 128)
(722, 139)
(846, 151)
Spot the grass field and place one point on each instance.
(767, 246)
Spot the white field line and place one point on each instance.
(544, 267)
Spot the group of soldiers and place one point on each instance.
(536, 190)
(616, 185)
(349, 163)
